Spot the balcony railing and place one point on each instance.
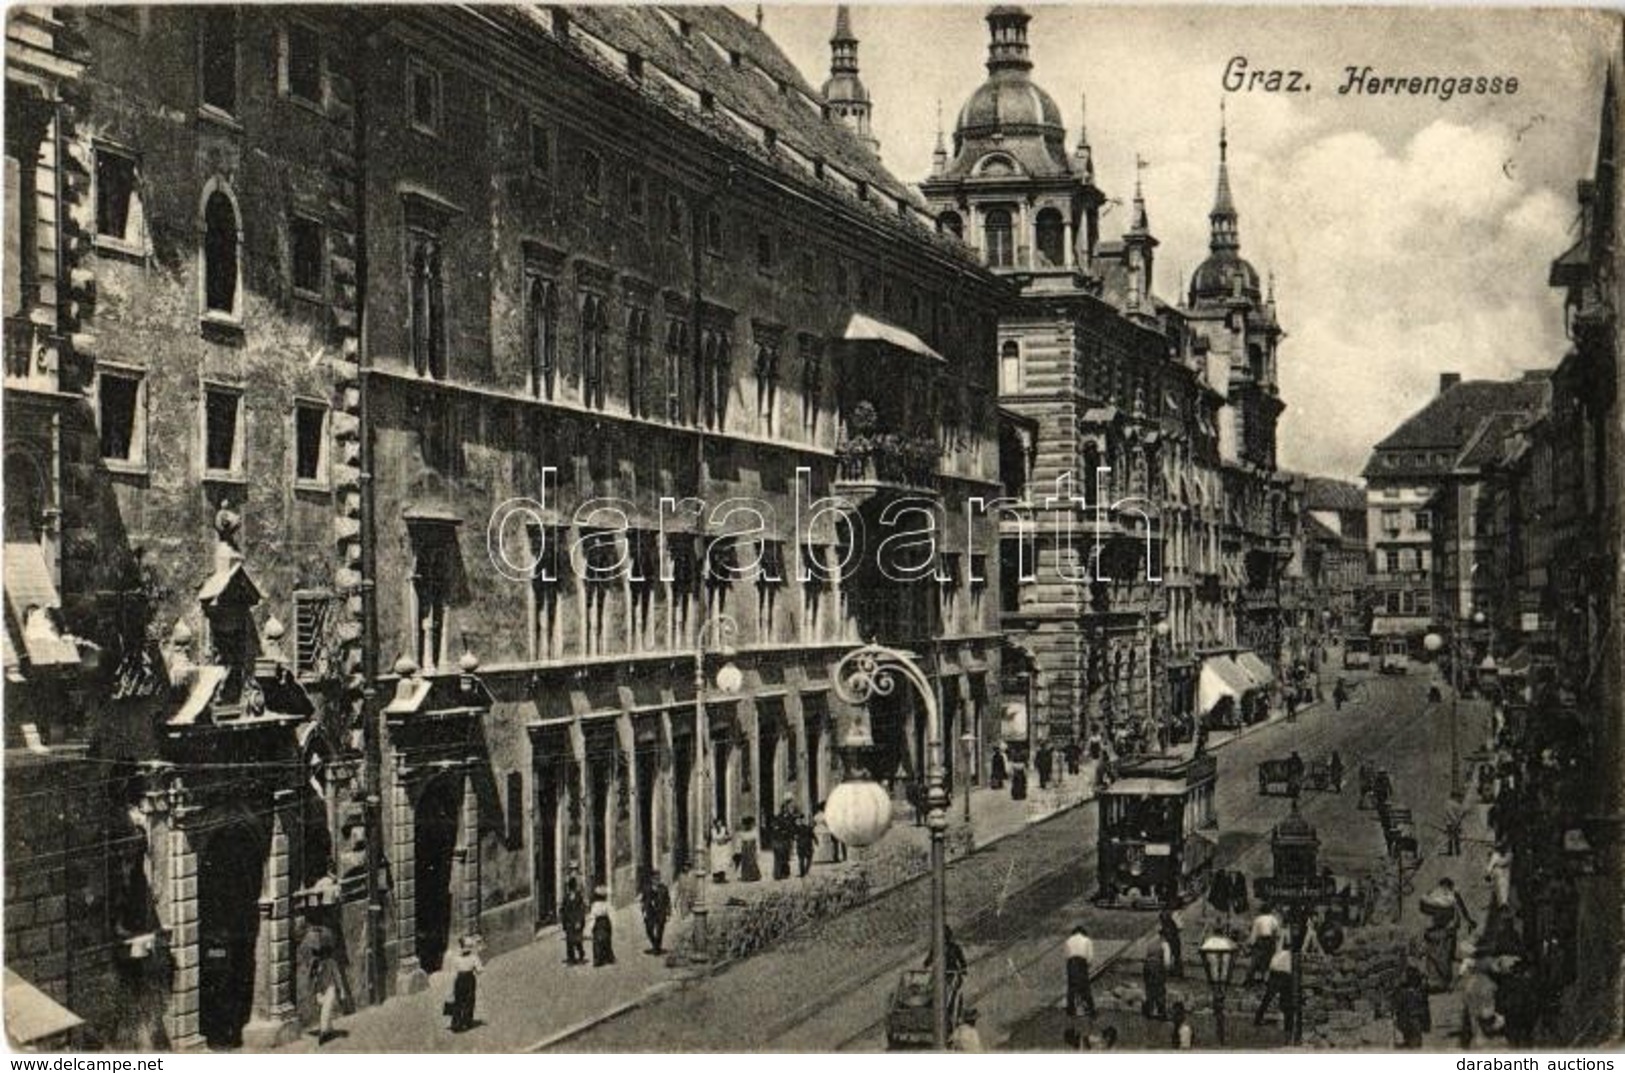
(889, 459)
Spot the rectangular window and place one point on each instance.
(769, 579)
(120, 219)
(716, 377)
(121, 407)
(676, 358)
(541, 148)
(434, 570)
(764, 251)
(310, 610)
(815, 583)
(637, 363)
(1424, 520)
(721, 565)
(423, 96)
(643, 547)
(637, 195)
(310, 442)
(594, 329)
(1407, 559)
(767, 383)
(1390, 521)
(685, 581)
(302, 56)
(674, 217)
(222, 431)
(592, 176)
(812, 383)
(552, 587)
(713, 232)
(427, 302)
(217, 57)
(306, 251)
(542, 335)
(601, 584)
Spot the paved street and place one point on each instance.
(1012, 904)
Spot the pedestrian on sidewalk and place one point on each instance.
(1498, 874)
(656, 911)
(321, 951)
(1445, 910)
(806, 841)
(1168, 925)
(1279, 986)
(573, 918)
(1340, 693)
(1080, 955)
(1264, 938)
(782, 834)
(997, 769)
(1412, 1015)
(1154, 975)
(467, 966)
(1046, 765)
(1074, 757)
(603, 929)
(1184, 1036)
(722, 850)
(750, 867)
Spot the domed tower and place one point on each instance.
(1011, 190)
(1225, 276)
(848, 97)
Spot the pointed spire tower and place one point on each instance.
(1139, 247)
(939, 155)
(1083, 159)
(1224, 277)
(847, 96)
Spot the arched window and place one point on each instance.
(1051, 239)
(1010, 367)
(950, 223)
(222, 248)
(428, 307)
(1000, 248)
(542, 335)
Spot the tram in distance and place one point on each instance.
(1156, 831)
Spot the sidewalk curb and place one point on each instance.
(655, 990)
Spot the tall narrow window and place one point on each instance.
(423, 96)
(764, 251)
(542, 335)
(217, 57)
(637, 196)
(769, 579)
(713, 231)
(310, 443)
(305, 251)
(637, 362)
(310, 609)
(814, 584)
(721, 566)
(120, 219)
(1000, 247)
(1051, 239)
(428, 305)
(602, 575)
(685, 581)
(1010, 367)
(541, 149)
(676, 358)
(674, 217)
(222, 432)
(434, 570)
(121, 416)
(812, 383)
(592, 176)
(767, 382)
(643, 547)
(302, 57)
(221, 270)
(551, 585)
(715, 377)
(594, 328)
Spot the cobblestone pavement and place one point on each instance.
(1011, 904)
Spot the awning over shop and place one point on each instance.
(1517, 663)
(862, 329)
(32, 1015)
(30, 595)
(1220, 678)
(1256, 668)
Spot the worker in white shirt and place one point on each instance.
(1279, 984)
(1265, 937)
(1080, 955)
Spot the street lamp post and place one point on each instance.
(855, 817)
(968, 740)
(718, 627)
(1435, 644)
(1218, 961)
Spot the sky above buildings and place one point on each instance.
(1409, 236)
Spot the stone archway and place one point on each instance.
(230, 880)
(434, 841)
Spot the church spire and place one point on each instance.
(939, 156)
(1083, 158)
(844, 91)
(1223, 217)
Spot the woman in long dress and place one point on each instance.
(603, 929)
(722, 850)
(467, 966)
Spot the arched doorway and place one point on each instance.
(435, 841)
(231, 869)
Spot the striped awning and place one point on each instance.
(1256, 668)
(1220, 678)
(32, 1015)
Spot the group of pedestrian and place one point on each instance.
(793, 838)
(577, 913)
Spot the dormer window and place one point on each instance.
(634, 66)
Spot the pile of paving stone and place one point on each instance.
(1348, 995)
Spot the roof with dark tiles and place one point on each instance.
(1451, 418)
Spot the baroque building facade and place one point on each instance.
(1142, 554)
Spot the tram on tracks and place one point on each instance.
(1157, 831)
